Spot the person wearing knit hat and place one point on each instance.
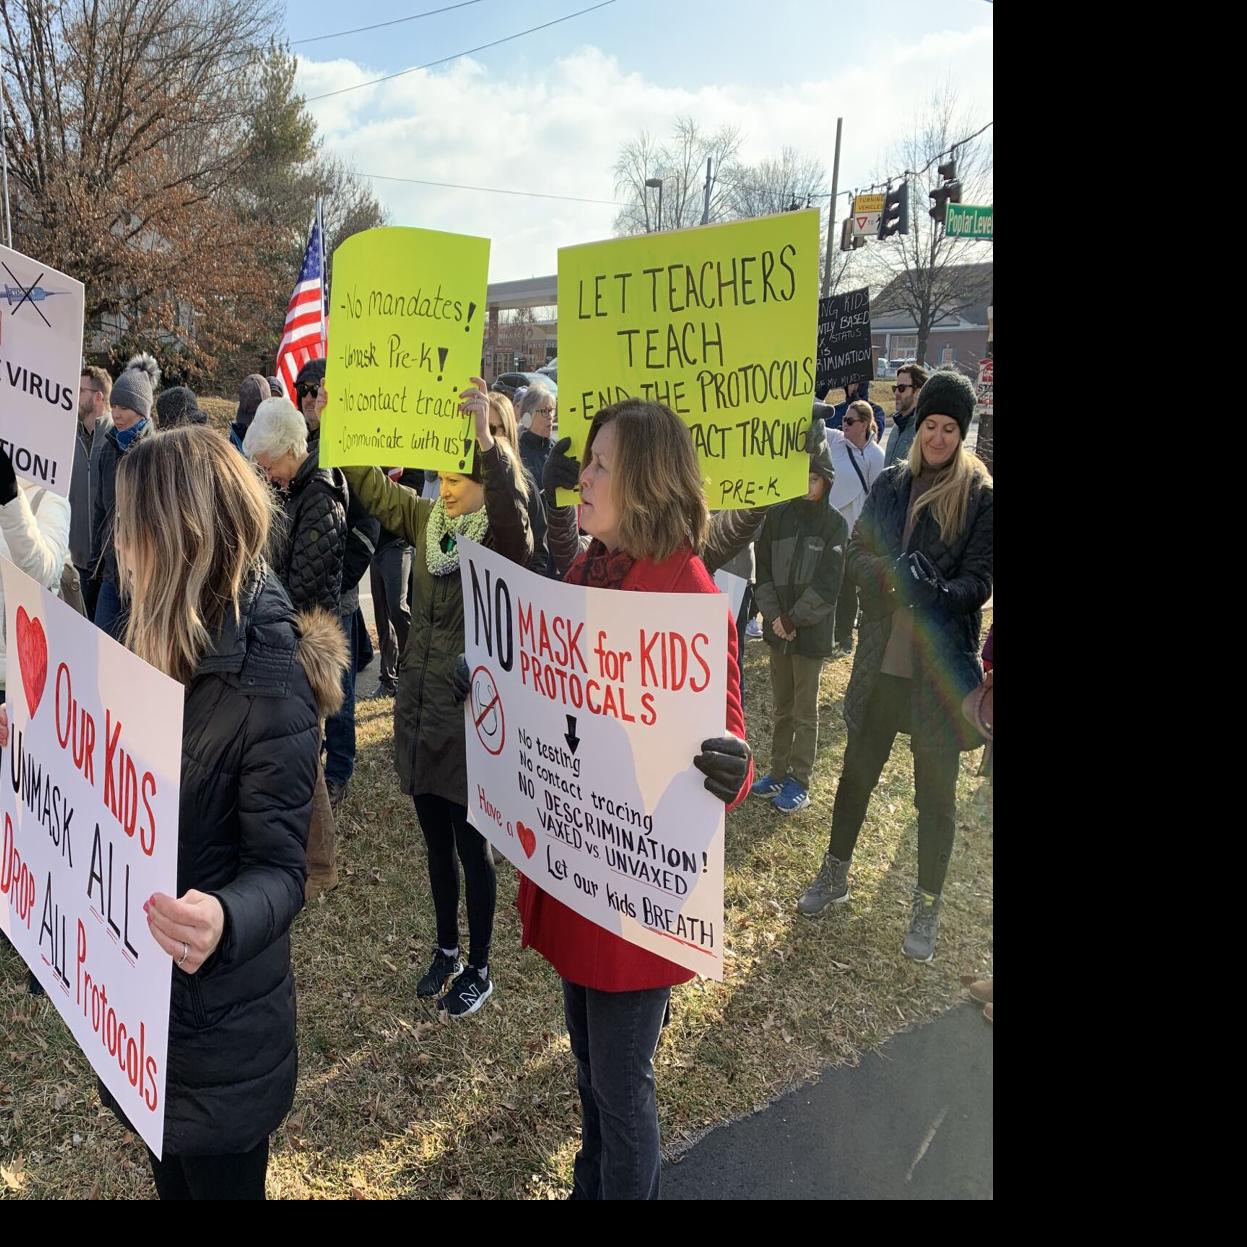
(176, 406)
(800, 561)
(254, 390)
(922, 554)
(131, 403)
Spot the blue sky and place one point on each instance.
(549, 111)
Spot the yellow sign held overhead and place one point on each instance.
(406, 324)
(719, 323)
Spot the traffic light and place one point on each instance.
(849, 241)
(895, 216)
(949, 192)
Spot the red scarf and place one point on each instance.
(598, 568)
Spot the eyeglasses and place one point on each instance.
(543, 411)
(900, 389)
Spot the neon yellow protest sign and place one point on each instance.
(407, 311)
(719, 323)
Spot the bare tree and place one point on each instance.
(932, 275)
(681, 166)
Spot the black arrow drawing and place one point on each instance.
(573, 741)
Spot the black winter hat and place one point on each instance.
(176, 406)
(947, 393)
(312, 373)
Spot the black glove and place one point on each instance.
(917, 580)
(561, 470)
(461, 679)
(724, 761)
(8, 478)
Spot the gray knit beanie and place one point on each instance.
(820, 453)
(947, 394)
(133, 389)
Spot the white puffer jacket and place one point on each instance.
(38, 543)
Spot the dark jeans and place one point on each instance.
(935, 783)
(390, 573)
(846, 611)
(110, 615)
(446, 829)
(746, 614)
(362, 647)
(211, 1177)
(614, 1036)
(340, 730)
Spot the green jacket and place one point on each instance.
(429, 750)
(800, 564)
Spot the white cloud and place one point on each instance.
(561, 134)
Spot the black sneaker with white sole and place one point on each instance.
(467, 993)
(441, 970)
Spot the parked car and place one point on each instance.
(508, 382)
(551, 370)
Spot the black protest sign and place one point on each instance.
(843, 340)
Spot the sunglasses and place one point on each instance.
(900, 389)
(309, 391)
(849, 421)
(496, 430)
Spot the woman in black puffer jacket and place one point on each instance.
(258, 679)
(921, 553)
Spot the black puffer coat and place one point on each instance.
(250, 741)
(309, 545)
(429, 750)
(946, 660)
(104, 502)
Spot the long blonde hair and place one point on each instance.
(193, 522)
(502, 406)
(949, 495)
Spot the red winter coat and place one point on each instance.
(580, 950)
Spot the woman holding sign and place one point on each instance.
(192, 525)
(487, 504)
(921, 554)
(643, 508)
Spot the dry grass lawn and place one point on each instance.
(392, 1103)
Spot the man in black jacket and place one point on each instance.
(391, 579)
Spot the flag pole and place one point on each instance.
(324, 272)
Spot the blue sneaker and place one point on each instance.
(792, 797)
(765, 787)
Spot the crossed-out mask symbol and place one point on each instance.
(487, 713)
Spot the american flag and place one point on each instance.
(303, 337)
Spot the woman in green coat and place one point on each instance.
(488, 505)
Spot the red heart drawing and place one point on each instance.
(32, 655)
(528, 839)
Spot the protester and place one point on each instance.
(743, 565)
(177, 406)
(729, 532)
(535, 413)
(253, 391)
(858, 460)
(502, 425)
(307, 392)
(307, 555)
(910, 378)
(487, 505)
(94, 421)
(390, 578)
(978, 708)
(131, 404)
(800, 556)
(276, 389)
(857, 391)
(643, 509)
(921, 554)
(192, 527)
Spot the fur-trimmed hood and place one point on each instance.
(323, 657)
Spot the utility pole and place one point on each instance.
(831, 212)
(705, 212)
(4, 156)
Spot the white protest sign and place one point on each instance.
(40, 363)
(733, 587)
(89, 788)
(587, 708)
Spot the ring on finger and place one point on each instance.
(186, 952)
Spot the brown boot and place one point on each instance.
(322, 854)
(987, 1011)
(980, 989)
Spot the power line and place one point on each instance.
(443, 60)
(398, 21)
(493, 190)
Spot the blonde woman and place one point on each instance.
(192, 524)
(921, 553)
(503, 425)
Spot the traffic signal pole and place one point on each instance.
(831, 211)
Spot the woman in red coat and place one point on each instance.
(641, 501)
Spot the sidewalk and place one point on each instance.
(913, 1121)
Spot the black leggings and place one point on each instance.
(211, 1177)
(446, 828)
(935, 783)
